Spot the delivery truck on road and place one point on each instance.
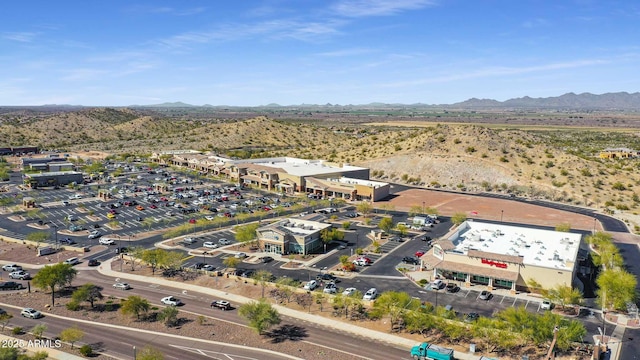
(426, 351)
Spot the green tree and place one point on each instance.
(564, 295)
(87, 292)
(394, 304)
(154, 258)
(402, 229)
(71, 335)
(386, 207)
(458, 218)
(415, 210)
(386, 224)
(365, 208)
(149, 353)
(39, 330)
(55, 276)
(172, 260)
(231, 262)
(262, 277)
(260, 314)
(246, 234)
(346, 225)
(169, 315)
(37, 237)
(431, 211)
(9, 353)
(617, 288)
(148, 223)
(564, 227)
(4, 319)
(135, 305)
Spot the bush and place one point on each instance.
(73, 306)
(17, 330)
(86, 350)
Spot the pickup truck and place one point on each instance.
(425, 351)
(221, 304)
(11, 285)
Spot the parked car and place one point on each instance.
(122, 286)
(410, 260)
(31, 313)
(311, 285)
(224, 242)
(208, 267)
(93, 262)
(11, 285)
(451, 287)
(105, 241)
(437, 284)
(240, 255)
(484, 295)
(20, 275)
(94, 234)
(11, 267)
(111, 216)
(472, 316)
(419, 253)
(362, 261)
(266, 259)
(67, 241)
(209, 244)
(371, 294)
(171, 300)
(189, 240)
(546, 304)
(221, 304)
(349, 291)
(330, 288)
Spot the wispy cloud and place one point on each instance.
(346, 52)
(26, 37)
(166, 10)
(275, 29)
(82, 74)
(362, 8)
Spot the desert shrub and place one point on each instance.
(86, 350)
(17, 330)
(73, 306)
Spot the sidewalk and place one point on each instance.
(33, 347)
(105, 269)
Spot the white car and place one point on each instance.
(331, 288)
(72, 261)
(545, 305)
(31, 313)
(349, 291)
(170, 300)
(210, 218)
(122, 286)
(189, 240)
(105, 241)
(11, 267)
(224, 242)
(210, 245)
(94, 234)
(371, 294)
(311, 285)
(20, 275)
(240, 255)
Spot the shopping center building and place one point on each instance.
(292, 236)
(504, 256)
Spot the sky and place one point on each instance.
(291, 52)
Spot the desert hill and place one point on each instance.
(558, 164)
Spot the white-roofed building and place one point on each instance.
(291, 236)
(505, 256)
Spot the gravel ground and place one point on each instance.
(224, 332)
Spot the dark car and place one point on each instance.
(67, 241)
(410, 260)
(426, 238)
(266, 259)
(199, 265)
(11, 285)
(326, 277)
(451, 287)
(470, 317)
(93, 262)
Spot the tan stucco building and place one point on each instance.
(291, 236)
(505, 256)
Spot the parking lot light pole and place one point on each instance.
(203, 257)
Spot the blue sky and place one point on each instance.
(251, 52)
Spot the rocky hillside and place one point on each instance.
(560, 165)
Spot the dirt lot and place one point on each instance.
(476, 207)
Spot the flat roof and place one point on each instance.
(54, 173)
(301, 167)
(544, 248)
(298, 226)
